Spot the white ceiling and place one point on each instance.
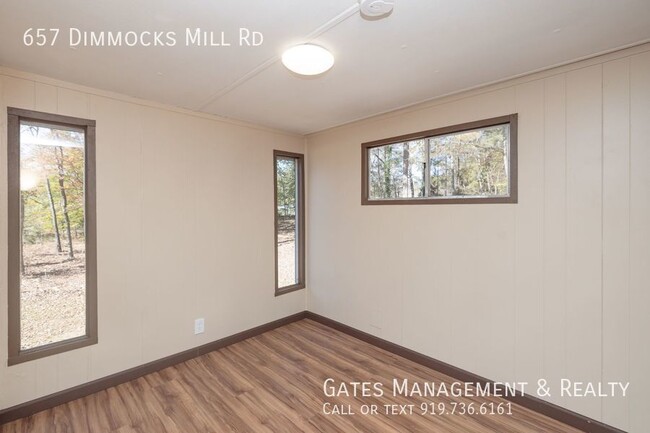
(424, 49)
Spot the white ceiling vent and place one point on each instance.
(376, 8)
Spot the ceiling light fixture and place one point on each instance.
(308, 59)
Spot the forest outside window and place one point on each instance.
(52, 241)
(289, 221)
(474, 162)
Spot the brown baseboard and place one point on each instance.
(558, 413)
(551, 410)
(61, 397)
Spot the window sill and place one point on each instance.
(51, 349)
(289, 289)
(441, 200)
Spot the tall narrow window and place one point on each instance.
(52, 247)
(289, 222)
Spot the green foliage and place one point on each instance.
(286, 186)
(58, 164)
(471, 163)
(397, 170)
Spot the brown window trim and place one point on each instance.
(15, 115)
(300, 178)
(511, 198)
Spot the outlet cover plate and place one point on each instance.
(199, 326)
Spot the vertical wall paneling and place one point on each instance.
(553, 287)
(639, 243)
(529, 258)
(3, 235)
(616, 229)
(165, 236)
(584, 231)
(157, 170)
(45, 98)
(73, 103)
(555, 203)
(118, 159)
(421, 294)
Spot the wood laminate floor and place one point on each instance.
(274, 383)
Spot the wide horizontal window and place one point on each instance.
(469, 163)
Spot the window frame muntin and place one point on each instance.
(300, 208)
(511, 198)
(14, 118)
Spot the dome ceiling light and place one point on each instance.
(308, 59)
(311, 59)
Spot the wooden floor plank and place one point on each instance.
(274, 383)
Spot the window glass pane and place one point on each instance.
(397, 170)
(53, 265)
(287, 218)
(471, 163)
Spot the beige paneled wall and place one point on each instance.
(556, 286)
(639, 250)
(185, 230)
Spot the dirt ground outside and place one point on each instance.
(286, 252)
(52, 295)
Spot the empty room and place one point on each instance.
(325, 216)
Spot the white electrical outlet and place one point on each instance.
(199, 326)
